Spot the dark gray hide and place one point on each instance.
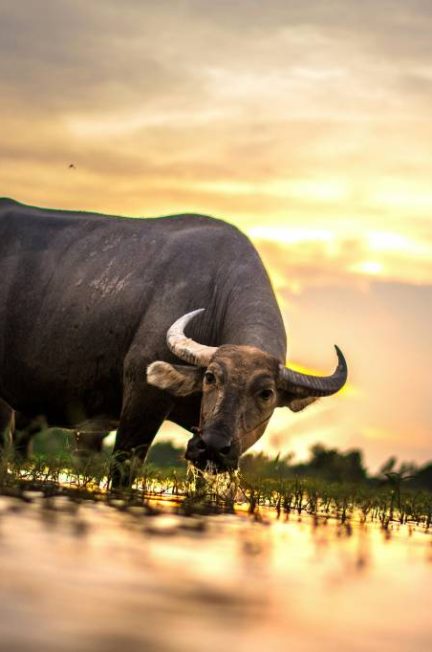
(86, 301)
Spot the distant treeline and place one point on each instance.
(324, 463)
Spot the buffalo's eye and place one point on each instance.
(266, 394)
(209, 377)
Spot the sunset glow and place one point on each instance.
(307, 127)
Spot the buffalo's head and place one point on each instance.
(241, 386)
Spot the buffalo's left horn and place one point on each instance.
(303, 384)
(186, 348)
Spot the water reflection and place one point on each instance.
(89, 577)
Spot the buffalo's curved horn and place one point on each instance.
(186, 348)
(306, 385)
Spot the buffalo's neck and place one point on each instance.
(247, 313)
(255, 323)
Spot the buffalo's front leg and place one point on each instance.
(7, 425)
(144, 410)
(16, 432)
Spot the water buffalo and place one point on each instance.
(96, 312)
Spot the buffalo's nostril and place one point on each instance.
(225, 450)
(201, 446)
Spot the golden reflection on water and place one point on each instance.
(89, 577)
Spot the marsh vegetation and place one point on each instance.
(331, 485)
(247, 561)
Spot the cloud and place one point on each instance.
(74, 57)
(306, 124)
(219, 107)
(330, 259)
(95, 58)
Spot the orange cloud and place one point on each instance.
(307, 127)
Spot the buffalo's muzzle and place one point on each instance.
(207, 452)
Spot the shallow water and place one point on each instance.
(91, 577)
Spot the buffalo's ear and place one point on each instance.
(293, 401)
(179, 380)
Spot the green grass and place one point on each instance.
(345, 502)
(386, 503)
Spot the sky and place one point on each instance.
(306, 124)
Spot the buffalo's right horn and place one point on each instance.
(306, 385)
(184, 347)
